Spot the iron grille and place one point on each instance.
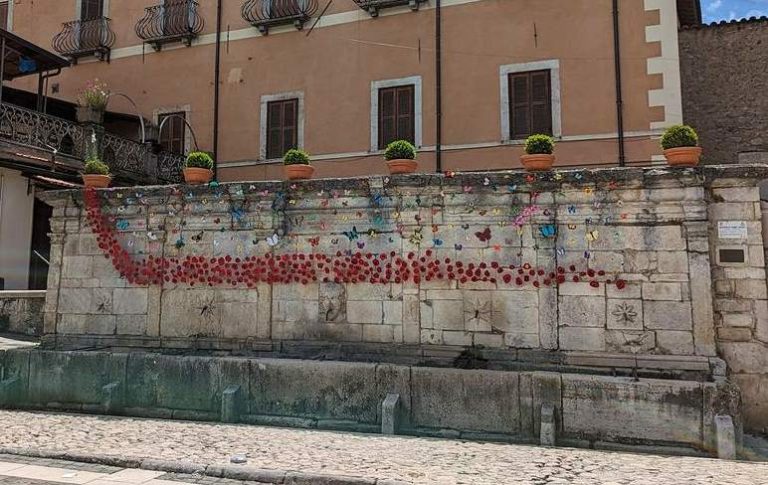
(174, 21)
(264, 14)
(82, 38)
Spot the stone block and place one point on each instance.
(750, 289)
(548, 318)
(548, 433)
(74, 324)
(75, 300)
(734, 334)
(515, 311)
(490, 340)
(582, 338)
(673, 342)
(73, 377)
(131, 324)
(667, 315)
(319, 390)
(431, 337)
(621, 408)
(582, 311)
(625, 314)
(737, 320)
(630, 341)
(293, 311)
(580, 289)
(672, 262)
(467, 400)
(761, 320)
(447, 314)
(231, 404)
(726, 437)
(367, 311)
(390, 408)
(77, 267)
(378, 333)
(662, 291)
(130, 301)
(393, 312)
(477, 311)
(522, 340)
(457, 338)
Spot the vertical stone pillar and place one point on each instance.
(700, 277)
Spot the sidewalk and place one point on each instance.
(369, 457)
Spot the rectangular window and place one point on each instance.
(4, 15)
(530, 104)
(396, 115)
(91, 9)
(174, 135)
(282, 127)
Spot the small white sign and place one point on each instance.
(732, 229)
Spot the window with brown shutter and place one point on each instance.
(174, 134)
(282, 127)
(530, 104)
(396, 115)
(4, 15)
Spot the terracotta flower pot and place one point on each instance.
(197, 176)
(683, 156)
(402, 165)
(538, 162)
(298, 171)
(96, 181)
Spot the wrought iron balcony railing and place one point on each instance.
(174, 21)
(25, 129)
(82, 38)
(373, 6)
(264, 14)
(37, 130)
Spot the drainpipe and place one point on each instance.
(438, 87)
(619, 95)
(216, 78)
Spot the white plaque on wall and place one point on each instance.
(732, 229)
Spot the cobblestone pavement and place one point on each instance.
(418, 460)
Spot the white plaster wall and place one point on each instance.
(16, 207)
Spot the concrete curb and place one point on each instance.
(235, 472)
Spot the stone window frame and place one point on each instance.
(265, 100)
(551, 65)
(414, 81)
(187, 110)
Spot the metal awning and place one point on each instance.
(23, 58)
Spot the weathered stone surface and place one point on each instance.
(674, 342)
(470, 400)
(22, 312)
(664, 315)
(581, 311)
(662, 291)
(582, 338)
(625, 314)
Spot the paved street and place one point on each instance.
(417, 460)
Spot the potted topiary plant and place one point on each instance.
(401, 157)
(681, 146)
(296, 165)
(96, 174)
(198, 168)
(538, 149)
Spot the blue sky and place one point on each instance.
(733, 9)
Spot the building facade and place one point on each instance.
(360, 73)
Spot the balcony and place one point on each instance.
(174, 21)
(83, 38)
(373, 6)
(41, 142)
(264, 14)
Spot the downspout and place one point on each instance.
(438, 88)
(216, 79)
(619, 95)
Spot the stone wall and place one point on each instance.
(615, 270)
(723, 77)
(22, 312)
(470, 404)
